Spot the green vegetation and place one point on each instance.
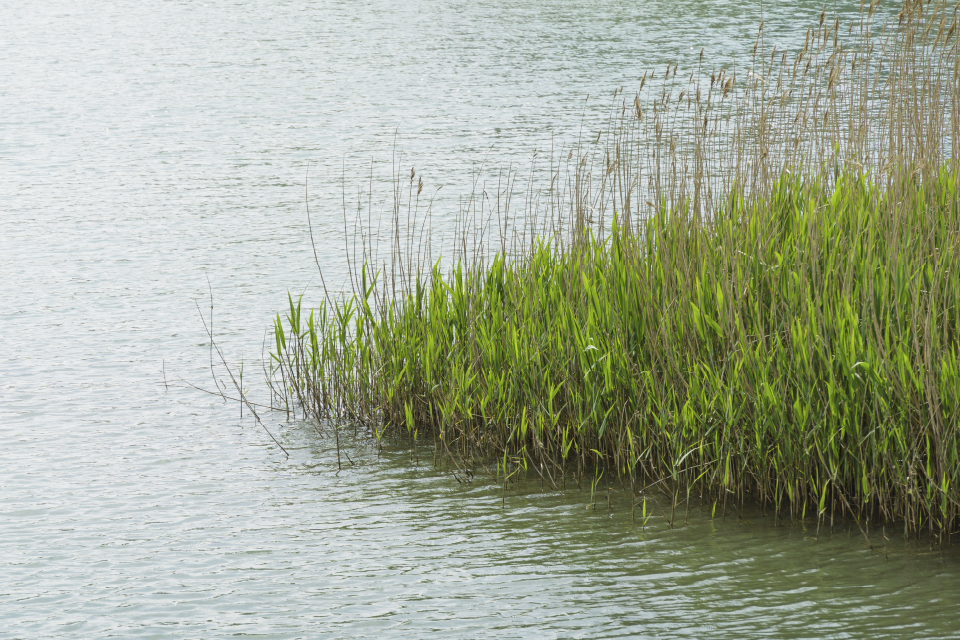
(776, 318)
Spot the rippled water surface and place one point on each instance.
(146, 147)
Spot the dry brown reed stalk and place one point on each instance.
(751, 290)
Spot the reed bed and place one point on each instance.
(748, 290)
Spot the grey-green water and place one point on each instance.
(145, 146)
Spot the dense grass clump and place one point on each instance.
(789, 333)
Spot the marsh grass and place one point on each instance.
(748, 290)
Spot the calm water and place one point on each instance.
(147, 146)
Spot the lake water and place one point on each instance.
(147, 148)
